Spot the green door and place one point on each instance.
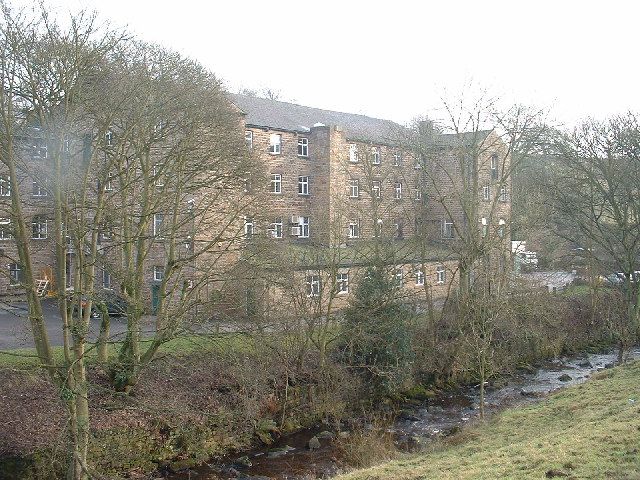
(155, 298)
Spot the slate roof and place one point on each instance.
(262, 112)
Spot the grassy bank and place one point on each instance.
(587, 431)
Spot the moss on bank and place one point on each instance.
(587, 431)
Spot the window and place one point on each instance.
(354, 188)
(353, 153)
(484, 227)
(5, 229)
(39, 149)
(157, 175)
(39, 227)
(494, 166)
(106, 279)
(313, 285)
(248, 139)
(249, 229)
(15, 274)
(486, 193)
(397, 191)
(501, 227)
(158, 273)
(418, 195)
(397, 160)
(66, 146)
(108, 184)
(108, 138)
(441, 275)
(5, 186)
(303, 147)
(303, 185)
(419, 277)
(304, 227)
(378, 228)
(376, 189)
(398, 277)
(276, 228)
(375, 156)
(447, 229)
(275, 143)
(158, 219)
(418, 164)
(276, 183)
(503, 193)
(354, 229)
(342, 283)
(105, 234)
(37, 190)
(399, 228)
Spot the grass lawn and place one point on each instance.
(25, 358)
(587, 431)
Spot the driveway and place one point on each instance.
(15, 331)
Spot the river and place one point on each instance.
(289, 459)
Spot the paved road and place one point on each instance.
(16, 333)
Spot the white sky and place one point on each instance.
(393, 59)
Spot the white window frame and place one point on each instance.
(418, 195)
(158, 273)
(398, 277)
(5, 229)
(441, 275)
(275, 144)
(303, 185)
(14, 274)
(158, 220)
(304, 227)
(397, 159)
(484, 225)
(108, 184)
(158, 181)
(503, 193)
(376, 189)
(38, 190)
(303, 147)
(353, 153)
(39, 150)
(342, 283)
(493, 165)
(486, 193)
(354, 229)
(398, 226)
(249, 227)
(314, 285)
(501, 227)
(108, 138)
(248, 139)
(106, 280)
(39, 228)
(5, 186)
(276, 228)
(397, 191)
(419, 278)
(447, 229)
(375, 156)
(276, 183)
(354, 188)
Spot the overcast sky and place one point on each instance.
(394, 59)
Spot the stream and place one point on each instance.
(290, 459)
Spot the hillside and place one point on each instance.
(587, 431)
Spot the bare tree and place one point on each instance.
(596, 206)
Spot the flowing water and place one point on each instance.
(289, 459)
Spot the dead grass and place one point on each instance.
(589, 431)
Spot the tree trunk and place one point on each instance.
(103, 337)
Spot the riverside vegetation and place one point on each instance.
(207, 396)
